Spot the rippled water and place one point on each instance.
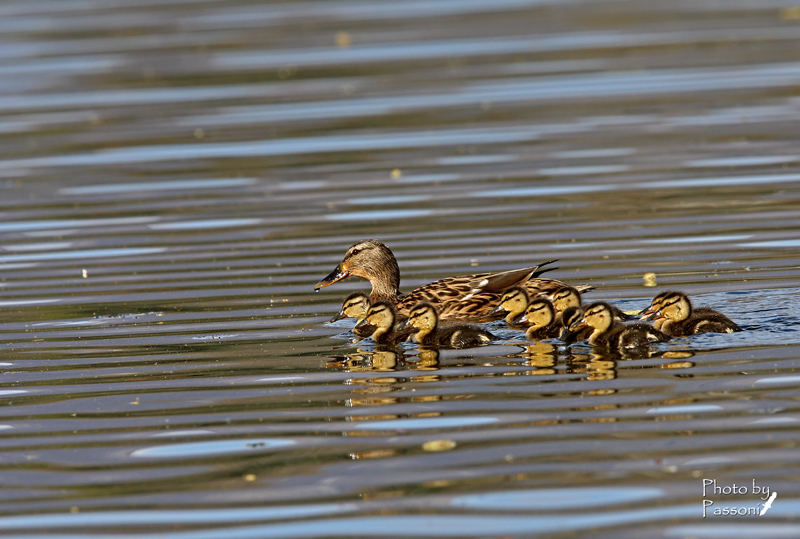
(177, 175)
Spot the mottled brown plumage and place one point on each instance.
(467, 297)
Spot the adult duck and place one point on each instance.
(467, 297)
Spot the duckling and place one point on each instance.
(383, 316)
(610, 333)
(649, 312)
(569, 318)
(356, 306)
(567, 296)
(541, 315)
(467, 297)
(425, 320)
(514, 301)
(679, 319)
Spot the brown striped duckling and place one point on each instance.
(679, 319)
(514, 301)
(541, 315)
(467, 297)
(610, 333)
(356, 306)
(383, 316)
(569, 318)
(567, 296)
(424, 319)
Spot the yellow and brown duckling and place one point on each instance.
(541, 316)
(467, 297)
(356, 306)
(610, 333)
(514, 301)
(383, 316)
(570, 319)
(424, 319)
(567, 296)
(679, 319)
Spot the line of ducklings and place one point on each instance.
(558, 314)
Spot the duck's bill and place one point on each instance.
(338, 316)
(336, 275)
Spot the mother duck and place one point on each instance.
(467, 297)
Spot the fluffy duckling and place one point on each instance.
(613, 334)
(679, 319)
(569, 318)
(383, 316)
(356, 306)
(424, 319)
(649, 312)
(514, 301)
(566, 296)
(541, 315)
(466, 297)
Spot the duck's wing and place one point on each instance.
(497, 283)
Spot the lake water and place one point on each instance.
(177, 175)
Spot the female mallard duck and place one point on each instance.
(514, 301)
(541, 315)
(383, 316)
(356, 306)
(612, 334)
(468, 297)
(679, 319)
(424, 319)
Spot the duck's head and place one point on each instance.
(371, 260)
(655, 305)
(513, 300)
(675, 306)
(598, 315)
(381, 315)
(540, 312)
(423, 317)
(571, 317)
(355, 306)
(564, 297)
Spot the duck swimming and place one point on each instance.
(383, 316)
(467, 297)
(609, 333)
(541, 315)
(356, 306)
(424, 319)
(679, 319)
(514, 301)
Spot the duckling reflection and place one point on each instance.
(680, 319)
(424, 319)
(382, 358)
(543, 356)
